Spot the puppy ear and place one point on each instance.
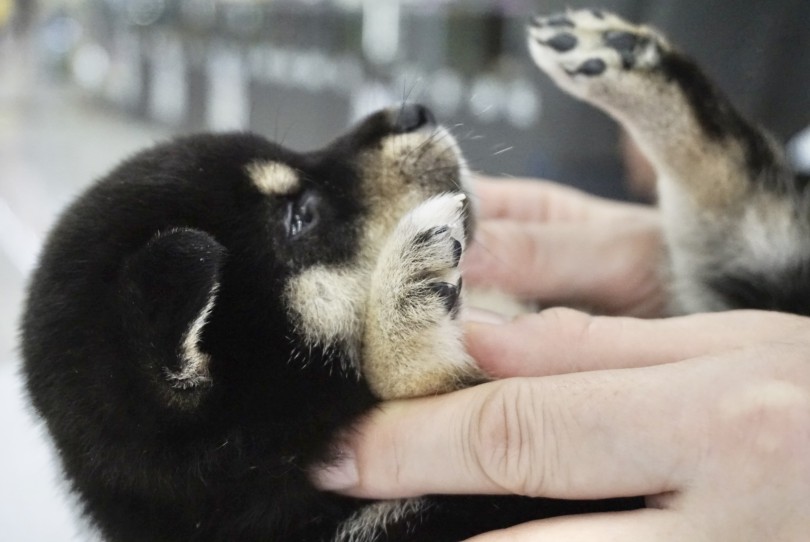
(170, 287)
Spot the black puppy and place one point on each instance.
(205, 319)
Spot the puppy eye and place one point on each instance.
(302, 214)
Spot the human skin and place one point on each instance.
(711, 422)
(706, 415)
(552, 244)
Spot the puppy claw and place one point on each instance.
(449, 295)
(457, 251)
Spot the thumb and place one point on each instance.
(569, 436)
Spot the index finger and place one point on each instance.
(537, 200)
(562, 340)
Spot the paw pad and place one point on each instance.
(562, 42)
(591, 68)
(627, 44)
(579, 46)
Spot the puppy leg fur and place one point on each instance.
(732, 210)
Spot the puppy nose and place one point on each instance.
(411, 117)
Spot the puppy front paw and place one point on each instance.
(423, 258)
(412, 341)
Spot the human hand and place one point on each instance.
(545, 242)
(707, 415)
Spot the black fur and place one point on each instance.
(160, 449)
(780, 290)
(123, 274)
(717, 117)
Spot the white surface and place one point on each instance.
(52, 143)
(34, 505)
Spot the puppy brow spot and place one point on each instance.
(273, 178)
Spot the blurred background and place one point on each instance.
(84, 83)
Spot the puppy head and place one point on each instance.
(227, 266)
(401, 159)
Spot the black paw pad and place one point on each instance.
(448, 293)
(591, 68)
(624, 43)
(562, 42)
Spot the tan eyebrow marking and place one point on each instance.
(273, 178)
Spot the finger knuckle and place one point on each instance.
(508, 438)
(770, 418)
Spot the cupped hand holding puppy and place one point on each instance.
(706, 415)
(711, 421)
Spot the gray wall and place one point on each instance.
(301, 74)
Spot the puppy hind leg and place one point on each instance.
(684, 125)
(732, 212)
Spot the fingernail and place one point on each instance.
(482, 316)
(339, 476)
